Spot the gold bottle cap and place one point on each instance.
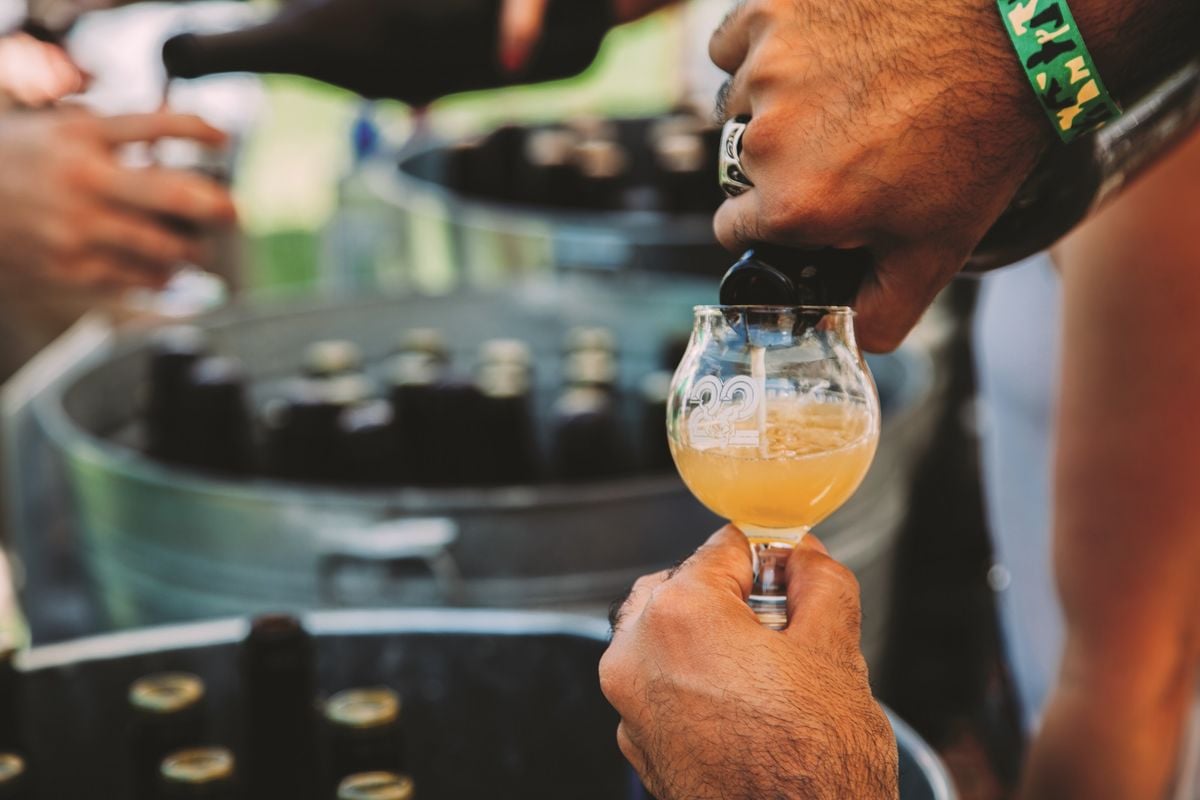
(590, 338)
(12, 767)
(345, 390)
(363, 709)
(580, 401)
(332, 357)
(590, 368)
(414, 369)
(675, 124)
(600, 159)
(376, 786)
(592, 126)
(681, 152)
(166, 692)
(506, 351)
(198, 765)
(502, 381)
(424, 340)
(551, 147)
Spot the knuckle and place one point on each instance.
(612, 675)
(762, 73)
(81, 169)
(666, 607)
(645, 582)
(179, 197)
(68, 240)
(159, 247)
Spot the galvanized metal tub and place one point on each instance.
(489, 242)
(496, 703)
(167, 544)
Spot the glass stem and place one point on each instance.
(768, 596)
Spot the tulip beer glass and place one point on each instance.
(773, 420)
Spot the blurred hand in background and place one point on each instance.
(521, 25)
(36, 74)
(76, 216)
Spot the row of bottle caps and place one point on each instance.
(414, 422)
(355, 750)
(667, 164)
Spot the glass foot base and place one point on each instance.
(770, 610)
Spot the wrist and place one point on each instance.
(1136, 44)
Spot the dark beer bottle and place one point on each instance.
(215, 422)
(603, 171)
(548, 176)
(331, 358)
(584, 337)
(411, 51)
(654, 390)
(593, 128)
(507, 352)
(506, 443)
(14, 778)
(591, 369)
(303, 426)
(168, 715)
(425, 341)
(674, 348)
(376, 786)
(469, 170)
(278, 671)
(588, 441)
(367, 444)
(684, 175)
(173, 352)
(199, 773)
(11, 737)
(487, 167)
(363, 733)
(413, 378)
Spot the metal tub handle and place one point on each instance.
(397, 561)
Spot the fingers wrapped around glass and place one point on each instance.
(773, 420)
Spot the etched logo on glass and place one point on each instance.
(715, 408)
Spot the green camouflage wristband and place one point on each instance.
(1058, 65)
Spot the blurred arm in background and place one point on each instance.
(78, 222)
(35, 74)
(521, 24)
(1127, 525)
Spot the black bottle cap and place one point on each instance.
(779, 276)
(180, 56)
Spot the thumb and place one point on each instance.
(723, 562)
(823, 602)
(520, 28)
